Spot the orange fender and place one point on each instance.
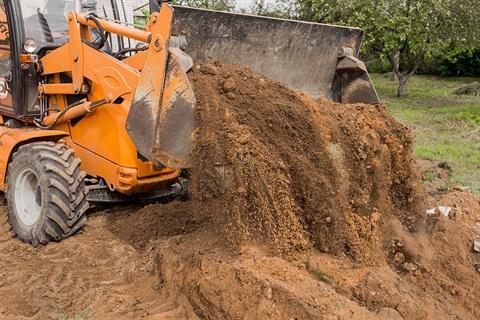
(12, 139)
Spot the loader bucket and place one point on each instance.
(161, 120)
(318, 59)
(164, 133)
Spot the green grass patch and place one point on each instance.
(315, 270)
(446, 126)
(82, 315)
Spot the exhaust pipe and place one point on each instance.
(77, 5)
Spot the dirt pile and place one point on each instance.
(295, 173)
(300, 209)
(469, 89)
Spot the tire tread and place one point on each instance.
(66, 202)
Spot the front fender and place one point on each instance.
(12, 139)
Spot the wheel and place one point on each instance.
(46, 193)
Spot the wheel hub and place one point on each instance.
(28, 197)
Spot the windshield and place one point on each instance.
(46, 22)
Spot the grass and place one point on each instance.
(476, 265)
(82, 315)
(315, 270)
(443, 124)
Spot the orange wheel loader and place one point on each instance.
(97, 109)
(81, 122)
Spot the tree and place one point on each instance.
(403, 31)
(263, 8)
(221, 5)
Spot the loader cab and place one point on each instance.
(43, 21)
(19, 21)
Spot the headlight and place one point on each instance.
(30, 45)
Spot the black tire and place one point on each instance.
(46, 193)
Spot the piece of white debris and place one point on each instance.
(441, 209)
(476, 243)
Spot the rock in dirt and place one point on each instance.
(229, 85)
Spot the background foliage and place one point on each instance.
(403, 36)
(222, 5)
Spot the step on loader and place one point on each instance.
(94, 109)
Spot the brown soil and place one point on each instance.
(300, 209)
(434, 176)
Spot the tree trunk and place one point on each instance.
(403, 76)
(402, 85)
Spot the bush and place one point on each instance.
(380, 65)
(461, 64)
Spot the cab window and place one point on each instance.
(5, 60)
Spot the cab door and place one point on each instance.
(6, 64)
(18, 85)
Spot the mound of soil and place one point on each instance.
(469, 89)
(300, 209)
(473, 135)
(296, 173)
